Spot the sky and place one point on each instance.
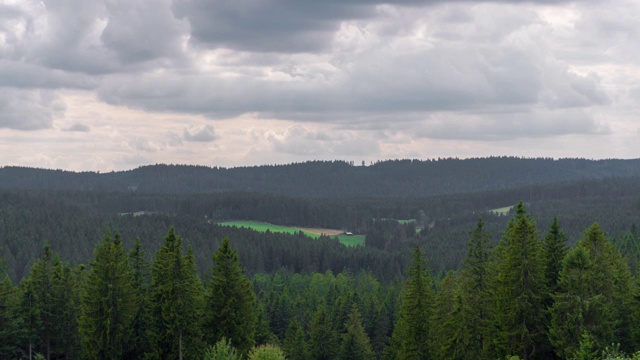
(102, 85)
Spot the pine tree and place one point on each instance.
(109, 302)
(355, 342)
(519, 289)
(410, 339)
(230, 301)
(175, 303)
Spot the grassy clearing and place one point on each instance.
(406, 221)
(503, 211)
(353, 240)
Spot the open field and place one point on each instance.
(347, 240)
(502, 211)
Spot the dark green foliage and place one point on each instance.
(410, 338)
(295, 345)
(138, 344)
(555, 249)
(10, 327)
(580, 311)
(323, 342)
(519, 289)
(230, 302)
(54, 289)
(109, 302)
(175, 303)
(355, 342)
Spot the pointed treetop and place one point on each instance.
(520, 210)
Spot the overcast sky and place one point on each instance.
(115, 84)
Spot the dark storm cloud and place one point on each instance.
(287, 26)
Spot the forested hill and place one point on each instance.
(395, 178)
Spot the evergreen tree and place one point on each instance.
(555, 249)
(109, 302)
(295, 346)
(30, 314)
(519, 290)
(230, 301)
(175, 303)
(579, 307)
(10, 331)
(410, 339)
(355, 342)
(473, 308)
(323, 342)
(138, 344)
(448, 332)
(41, 281)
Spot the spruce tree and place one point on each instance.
(295, 345)
(555, 249)
(472, 299)
(10, 330)
(41, 281)
(323, 342)
(230, 302)
(579, 307)
(109, 302)
(519, 290)
(410, 339)
(138, 344)
(355, 342)
(175, 303)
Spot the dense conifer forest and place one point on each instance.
(133, 265)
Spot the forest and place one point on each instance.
(531, 296)
(95, 267)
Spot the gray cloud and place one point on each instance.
(29, 110)
(77, 127)
(202, 133)
(509, 126)
(298, 140)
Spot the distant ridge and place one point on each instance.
(391, 178)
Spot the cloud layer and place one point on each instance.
(280, 80)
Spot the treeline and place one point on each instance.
(394, 178)
(530, 296)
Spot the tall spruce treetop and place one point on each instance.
(230, 302)
(355, 342)
(109, 302)
(474, 307)
(555, 249)
(410, 339)
(519, 290)
(176, 302)
(10, 330)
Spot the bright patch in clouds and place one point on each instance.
(108, 85)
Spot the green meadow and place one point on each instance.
(346, 240)
(502, 211)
